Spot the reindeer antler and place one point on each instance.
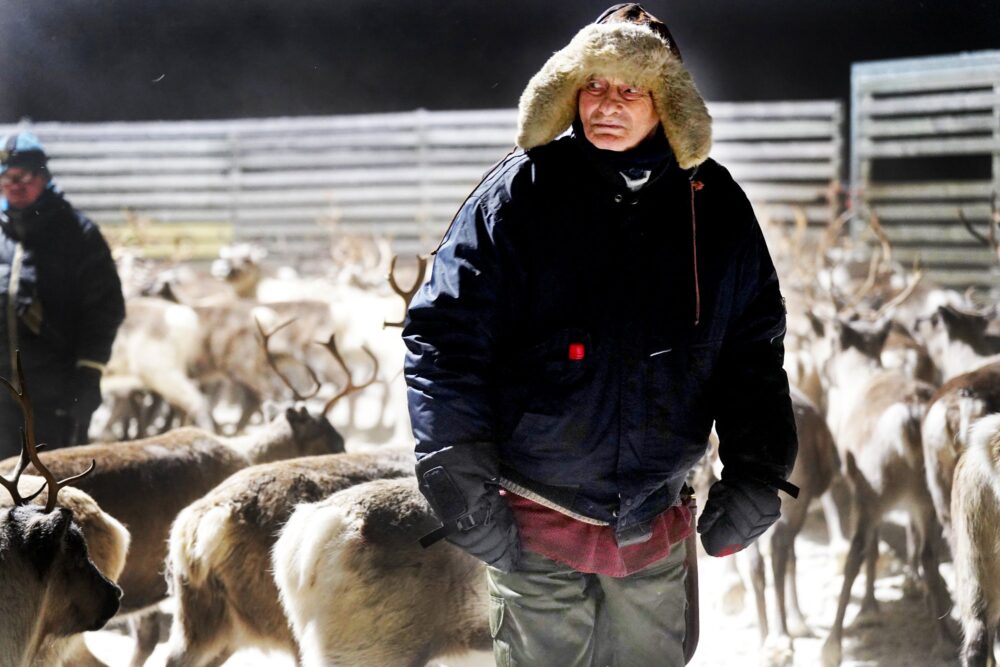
(406, 294)
(29, 448)
(272, 362)
(905, 293)
(11, 484)
(883, 237)
(350, 387)
(989, 241)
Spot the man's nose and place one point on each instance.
(610, 102)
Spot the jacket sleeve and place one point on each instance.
(101, 304)
(450, 335)
(754, 417)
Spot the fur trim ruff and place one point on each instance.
(629, 52)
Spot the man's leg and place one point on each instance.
(542, 614)
(645, 614)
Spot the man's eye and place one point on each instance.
(595, 87)
(632, 93)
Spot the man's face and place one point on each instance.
(21, 187)
(615, 115)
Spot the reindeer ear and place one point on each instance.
(816, 324)
(43, 538)
(948, 314)
(881, 333)
(845, 332)
(297, 415)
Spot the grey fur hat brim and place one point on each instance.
(629, 52)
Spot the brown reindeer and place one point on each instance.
(817, 468)
(875, 419)
(220, 547)
(945, 429)
(359, 590)
(52, 586)
(975, 508)
(884, 464)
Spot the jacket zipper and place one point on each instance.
(12, 288)
(695, 186)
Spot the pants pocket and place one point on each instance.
(501, 649)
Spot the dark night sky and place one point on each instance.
(97, 60)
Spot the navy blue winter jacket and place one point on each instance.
(590, 334)
(60, 296)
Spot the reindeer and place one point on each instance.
(146, 483)
(156, 347)
(945, 429)
(55, 561)
(220, 548)
(817, 468)
(359, 590)
(975, 508)
(875, 417)
(958, 340)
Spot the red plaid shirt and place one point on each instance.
(589, 548)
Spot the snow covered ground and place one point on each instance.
(903, 635)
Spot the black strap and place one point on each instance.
(786, 486)
(436, 535)
(465, 522)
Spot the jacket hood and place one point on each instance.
(624, 49)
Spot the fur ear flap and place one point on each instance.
(548, 105)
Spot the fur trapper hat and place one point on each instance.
(629, 44)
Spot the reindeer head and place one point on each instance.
(44, 561)
(948, 325)
(46, 552)
(315, 434)
(240, 266)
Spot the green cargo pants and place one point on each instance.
(548, 615)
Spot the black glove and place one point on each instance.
(736, 513)
(86, 392)
(462, 486)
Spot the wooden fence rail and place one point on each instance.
(908, 117)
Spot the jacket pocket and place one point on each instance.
(562, 359)
(501, 648)
(547, 375)
(497, 606)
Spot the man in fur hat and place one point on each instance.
(60, 299)
(601, 298)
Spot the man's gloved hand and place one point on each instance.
(462, 486)
(85, 392)
(736, 513)
(495, 541)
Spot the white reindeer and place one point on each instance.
(359, 590)
(975, 509)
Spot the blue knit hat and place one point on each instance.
(24, 150)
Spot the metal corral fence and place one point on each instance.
(290, 182)
(925, 137)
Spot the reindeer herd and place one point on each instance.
(257, 487)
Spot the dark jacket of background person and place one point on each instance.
(671, 293)
(60, 303)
